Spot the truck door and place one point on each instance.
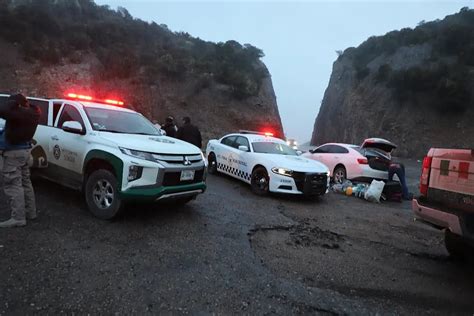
(66, 149)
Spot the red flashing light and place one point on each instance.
(114, 102)
(89, 98)
(79, 96)
(268, 134)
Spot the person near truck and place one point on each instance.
(170, 127)
(190, 133)
(15, 143)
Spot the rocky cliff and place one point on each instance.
(94, 50)
(413, 87)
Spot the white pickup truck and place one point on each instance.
(113, 154)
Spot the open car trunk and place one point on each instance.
(378, 152)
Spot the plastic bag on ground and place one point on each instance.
(375, 191)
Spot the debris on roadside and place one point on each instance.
(371, 193)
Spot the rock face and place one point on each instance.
(63, 46)
(210, 107)
(359, 105)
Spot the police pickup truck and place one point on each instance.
(113, 154)
(446, 198)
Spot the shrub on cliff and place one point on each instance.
(53, 29)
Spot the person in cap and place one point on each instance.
(15, 144)
(170, 127)
(190, 133)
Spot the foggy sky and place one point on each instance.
(299, 39)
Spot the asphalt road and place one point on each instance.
(230, 252)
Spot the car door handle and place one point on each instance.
(54, 137)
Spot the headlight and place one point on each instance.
(283, 171)
(138, 154)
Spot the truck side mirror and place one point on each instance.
(73, 127)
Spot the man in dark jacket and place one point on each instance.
(170, 127)
(190, 133)
(15, 144)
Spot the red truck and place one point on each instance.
(446, 198)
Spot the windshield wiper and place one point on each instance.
(110, 131)
(146, 134)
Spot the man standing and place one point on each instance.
(190, 133)
(15, 141)
(169, 127)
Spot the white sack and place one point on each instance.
(375, 191)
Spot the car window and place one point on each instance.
(70, 113)
(56, 108)
(335, 149)
(241, 141)
(273, 148)
(229, 141)
(43, 106)
(322, 150)
(115, 121)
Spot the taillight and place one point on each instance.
(425, 175)
(362, 161)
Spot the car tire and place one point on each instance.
(340, 174)
(212, 168)
(260, 181)
(101, 194)
(456, 246)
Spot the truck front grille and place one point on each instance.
(177, 159)
(173, 178)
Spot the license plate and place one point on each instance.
(187, 175)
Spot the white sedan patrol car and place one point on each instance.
(113, 154)
(267, 164)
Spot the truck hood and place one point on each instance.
(296, 163)
(151, 144)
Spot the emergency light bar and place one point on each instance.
(269, 134)
(89, 98)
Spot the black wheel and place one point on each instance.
(260, 181)
(101, 193)
(339, 175)
(455, 245)
(212, 168)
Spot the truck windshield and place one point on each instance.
(113, 121)
(273, 148)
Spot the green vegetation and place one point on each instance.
(443, 81)
(50, 30)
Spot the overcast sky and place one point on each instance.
(299, 39)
